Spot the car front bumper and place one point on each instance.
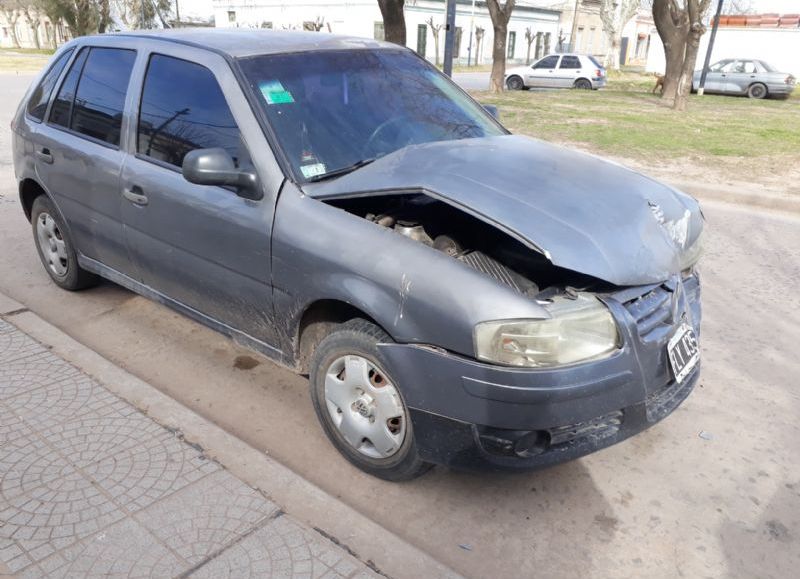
(467, 414)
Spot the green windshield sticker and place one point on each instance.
(274, 93)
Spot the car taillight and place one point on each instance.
(789, 79)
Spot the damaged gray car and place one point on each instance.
(457, 295)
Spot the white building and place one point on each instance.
(780, 47)
(363, 18)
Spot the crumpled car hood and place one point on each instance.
(583, 213)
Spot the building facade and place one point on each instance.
(532, 30)
(17, 31)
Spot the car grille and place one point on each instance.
(654, 309)
(591, 430)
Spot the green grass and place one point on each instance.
(626, 120)
(23, 61)
(48, 51)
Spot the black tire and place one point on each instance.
(74, 278)
(583, 84)
(515, 83)
(360, 337)
(757, 91)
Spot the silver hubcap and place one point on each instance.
(365, 407)
(52, 245)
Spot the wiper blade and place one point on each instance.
(341, 171)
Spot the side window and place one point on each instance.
(570, 62)
(547, 62)
(61, 111)
(100, 98)
(38, 101)
(173, 122)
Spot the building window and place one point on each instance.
(231, 15)
(378, 32)
(592, 31)
(547, 43)
(578, 46)
(422, 39)
(512, 42)
(457, 49)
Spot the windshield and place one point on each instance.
(333, 110)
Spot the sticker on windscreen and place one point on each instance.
(312, 170)
(274, 93)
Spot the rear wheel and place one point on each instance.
(55, 247)
(359, 405)
(757, 91)
(515, 83)
(583, 84)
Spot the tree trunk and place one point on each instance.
(11, 17)
(528, 56)
(684, 85)
(436, 47)
(500, 17)
(394, 20)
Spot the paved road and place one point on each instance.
(472, 80)
(663, 504)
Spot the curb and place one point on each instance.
(735, 196)
(380, 549)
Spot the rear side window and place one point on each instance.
(62, 106)
(174, 121)
(41, 95)
(570, 62)
(100, 98)
(547, 62)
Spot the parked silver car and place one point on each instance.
(741, 76)
(558, 71)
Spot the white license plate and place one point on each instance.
(684, 353)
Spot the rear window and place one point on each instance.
(37, 105)
(595, 62)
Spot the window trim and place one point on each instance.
(69, 130)
(55, 89)
(138, 113)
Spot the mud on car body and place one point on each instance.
(456, 294)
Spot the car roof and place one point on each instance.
(238, 42)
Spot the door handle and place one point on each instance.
(135, 195)
(44, 155)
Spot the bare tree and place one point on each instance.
(9, 9)
(394, 20)
(500, 17)
(738, 7)
(530, 36)
(33, 17)
(679, 25)
(479, 32)
(435, 29)
(615, 14)
(314, 25)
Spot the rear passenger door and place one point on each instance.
(543, 73)
(201, 246)
(77, 151)
(569, 70)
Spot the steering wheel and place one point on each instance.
(377, 133)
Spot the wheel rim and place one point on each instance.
(583, 85)
(52, 244)
(757, 91)
(515, 84)
(365, 407)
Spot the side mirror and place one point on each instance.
(216, 167)
(492, 110)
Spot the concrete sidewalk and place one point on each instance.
(91, 487)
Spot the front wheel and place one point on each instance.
(583, 84)
(359, 405)
(757, 91)
(515, 83)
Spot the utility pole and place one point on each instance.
(709, 49)
(471, 29)
(449, 37)
(574, 31)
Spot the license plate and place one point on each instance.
(684, 353)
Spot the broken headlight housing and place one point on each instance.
(581, 328)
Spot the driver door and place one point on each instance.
(202, 246)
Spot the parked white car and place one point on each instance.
(558, 71)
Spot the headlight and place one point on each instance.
(691, 254)
(580, 329)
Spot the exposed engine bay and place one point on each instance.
(471, 241)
